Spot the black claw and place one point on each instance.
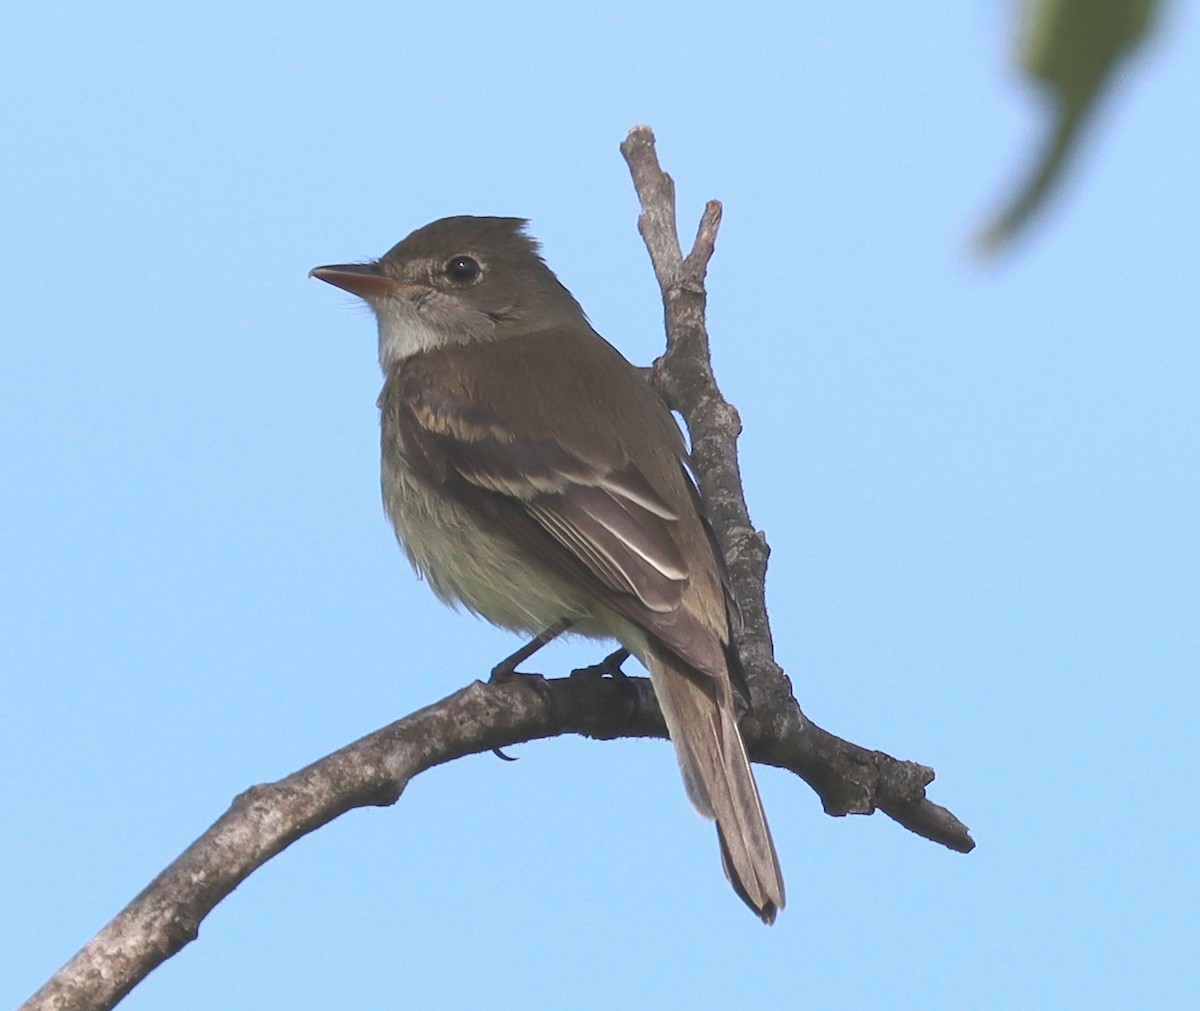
(502, 756)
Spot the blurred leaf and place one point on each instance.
(1071, 49)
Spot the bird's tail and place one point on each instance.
(702, 722)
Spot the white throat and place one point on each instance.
(406, 329)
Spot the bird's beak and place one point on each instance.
(365, 280)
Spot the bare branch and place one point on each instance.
(849, 779)
(375, 770)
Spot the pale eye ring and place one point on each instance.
(463, 269)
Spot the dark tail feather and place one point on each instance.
(719, 782)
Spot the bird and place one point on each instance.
(534, 477)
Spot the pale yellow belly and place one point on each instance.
(467, 564)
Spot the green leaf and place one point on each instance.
(1070, 49)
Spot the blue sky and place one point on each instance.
(979, 482)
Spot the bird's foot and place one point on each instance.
(610, 666)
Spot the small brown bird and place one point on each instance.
(533, 476)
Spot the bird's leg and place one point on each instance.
(610, 665)
(507, 667)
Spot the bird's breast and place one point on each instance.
(468, 562)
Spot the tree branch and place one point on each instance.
(374, 771)
(849, 779)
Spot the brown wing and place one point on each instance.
(622, 520)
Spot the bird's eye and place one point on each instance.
(463, 270)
